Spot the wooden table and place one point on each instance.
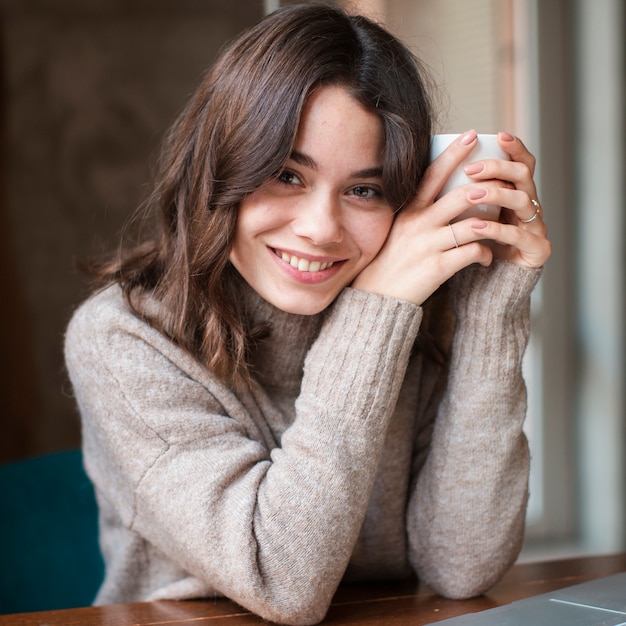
(388, 604)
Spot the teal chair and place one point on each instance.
(49, 554)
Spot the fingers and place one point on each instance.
(520, 235)
(506, 183)
(442, 167)
(495, 169)
(492, 193)
(518, 172)
(454, 241)
(517, 150)
(514, 175)
(535, 215)
(463, 250)
(524, 208)
(518, 244)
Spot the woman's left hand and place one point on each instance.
(521, 234)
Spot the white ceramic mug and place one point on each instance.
(486, 148)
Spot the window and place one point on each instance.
(509, 64)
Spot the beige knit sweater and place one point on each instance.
(355, 457)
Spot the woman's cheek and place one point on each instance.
(375, 234)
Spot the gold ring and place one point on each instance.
(537, 212)
(456, 245)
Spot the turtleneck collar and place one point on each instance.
(279, 359)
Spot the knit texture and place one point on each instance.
(355, 456)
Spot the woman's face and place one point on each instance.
(305, 235)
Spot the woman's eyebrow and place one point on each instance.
(304, 159)
(369, 172)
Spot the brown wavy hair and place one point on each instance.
(236, 132)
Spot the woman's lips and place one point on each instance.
(302, 264)
(307, 270)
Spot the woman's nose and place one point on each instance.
(318, 219)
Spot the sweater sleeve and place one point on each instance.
(184, 464)
(466, 514)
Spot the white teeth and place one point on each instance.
(304, 265)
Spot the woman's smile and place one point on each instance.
(306, 270)
(303, 264)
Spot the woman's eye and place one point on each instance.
(287, 177)
(366, 192)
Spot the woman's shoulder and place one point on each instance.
(106, 317)
(100, 310)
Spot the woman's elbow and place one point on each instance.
(457, 588)
(461, 581)
(296, 614)
(293, 607)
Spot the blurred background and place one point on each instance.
(88, 87)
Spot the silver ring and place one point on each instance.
(537, 212)
(456, 245)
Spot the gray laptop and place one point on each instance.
(600, 602)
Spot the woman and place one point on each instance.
(277, 392)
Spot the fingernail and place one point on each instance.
(477, 194)
(479, 224)
(474, 168)
(467, 138)
(506, 137)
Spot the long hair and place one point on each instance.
(236, 132)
